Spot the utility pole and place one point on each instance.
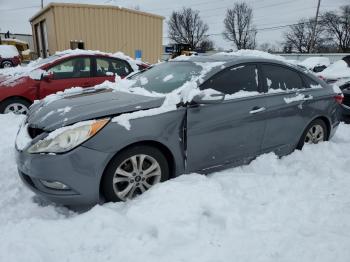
(42, 4)
(312, 41)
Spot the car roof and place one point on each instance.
(231, 60)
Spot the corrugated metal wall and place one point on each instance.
(104, 28)
(51, 33)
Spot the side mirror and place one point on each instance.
(204, 98)
(47, 76)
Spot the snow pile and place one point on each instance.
(311, 62)
(8, 51)
(339, 69)
(294, 208)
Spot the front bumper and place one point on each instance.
(80, 169)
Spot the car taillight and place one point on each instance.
(339, 98)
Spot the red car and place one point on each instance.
(9, 56)
(19, 87)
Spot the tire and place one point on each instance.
(17, 106)
(122, 180)
(6, 64)
(315, 133)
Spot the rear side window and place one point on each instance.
(310, 83)
(278, 77)
(108, 67)
(234, 79)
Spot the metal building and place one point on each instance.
(61, 26)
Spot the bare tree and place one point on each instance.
(239, 28)
(299, 36)
(338, 27)
(186, 27)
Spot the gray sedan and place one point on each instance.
(108, 145)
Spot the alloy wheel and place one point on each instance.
(16, 108)
(135, 175)
(315, 134)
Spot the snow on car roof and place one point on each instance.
(20, 71)
(243, 54)
(120, 55)
(8, 51)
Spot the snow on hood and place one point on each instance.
(339, 69)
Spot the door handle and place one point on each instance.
(257, 109)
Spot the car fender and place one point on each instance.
(165, 129)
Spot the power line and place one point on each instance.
(179, 6)
(20, 8)
(226, 6)
(259, 18)
(262, 29)
(314, 26)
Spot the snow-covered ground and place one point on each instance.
(292, 209)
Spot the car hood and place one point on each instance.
(11, 81)
(4, 78)
(87, 105)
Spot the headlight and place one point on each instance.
(68, 137)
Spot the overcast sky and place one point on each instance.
(14, 14)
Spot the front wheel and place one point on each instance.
(6, 64)
(134, 171)
(15, 105)
(315, 133)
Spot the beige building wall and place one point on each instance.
(104, 28)
(48, 18)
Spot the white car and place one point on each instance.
(315, 64)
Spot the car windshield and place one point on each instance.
(166, 77)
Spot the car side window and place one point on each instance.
(108, 67)
(232, 80)
(310, 83)
(281, 78)
(73, 68)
